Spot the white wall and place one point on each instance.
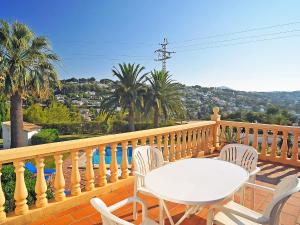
(26, 136)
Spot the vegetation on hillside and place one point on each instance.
(273, 115)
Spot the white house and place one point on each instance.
(29, 129)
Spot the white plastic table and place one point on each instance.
(195, 183)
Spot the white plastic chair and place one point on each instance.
(236, 214)
(110, 219)
(145, 159)
(243, 155)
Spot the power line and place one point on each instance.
(237, 32)
(240, 43)
(239, 38)
(163, 54)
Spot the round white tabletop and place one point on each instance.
(196, 181)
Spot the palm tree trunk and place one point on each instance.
(16, 120)
(131, 117)
(156, 117)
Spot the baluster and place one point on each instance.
(113, 163)
(89, 172)
(238, 134)
(75, 175)
(215, 128)
(295, 150)
(183, 146)
(178, 145)
(199, 140)
(2, 200)
(223, 135)
(59, 182)
(133, 145)
(102, 166)
(189, 143)
(143, 141)
(194, 151)
(20, 189)
(210, 143)
(274, 144)
(255, 134)
(246, 142)
(166, 147)
(203, 140)
(264, 144)
(172, 147)
(284, 146)
(40, 184)
(124, 165)
(158, 139)
(151, 141)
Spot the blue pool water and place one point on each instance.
(96, 156)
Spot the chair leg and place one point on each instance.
(210, 217)
(134, 211)
(252, 180)
(242, 195)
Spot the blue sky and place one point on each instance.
(217, 43)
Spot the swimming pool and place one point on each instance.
(96, 156)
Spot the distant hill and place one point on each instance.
(199, 100)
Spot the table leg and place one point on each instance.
(189, 211)
(167, 212)
(161, 212)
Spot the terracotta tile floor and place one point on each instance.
(270, 175)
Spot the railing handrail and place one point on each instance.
(28, 152)
(260, 125)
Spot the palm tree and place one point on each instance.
(126, 91)
(26, 66)
(164, 96)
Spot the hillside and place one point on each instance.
(199, 101)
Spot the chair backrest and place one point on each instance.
(243, 155)
(146, 158)
(288, 186)
(107, 217)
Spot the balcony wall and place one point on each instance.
(176, 142)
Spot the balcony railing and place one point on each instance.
(176, 142)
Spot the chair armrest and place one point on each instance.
(165, 162)
(260, 187)
(128, 201)
(229, 212)
(135, 173)
(254, 172)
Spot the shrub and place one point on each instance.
(8, 180)
(120, 126)
(45, 136)
(93, 127)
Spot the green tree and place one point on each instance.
(26, 64)
(125, 91)
(164, 96)
(35, 114)
(57, 113)
(75, 115)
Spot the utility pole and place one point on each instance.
(163, 54)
